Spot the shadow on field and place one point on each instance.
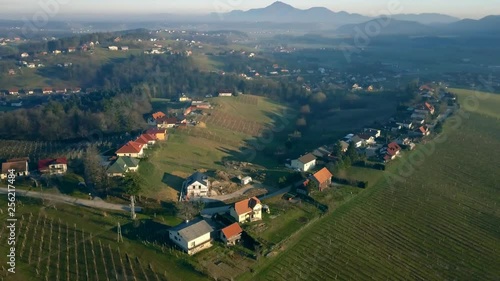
(173, 181)
(145, 230)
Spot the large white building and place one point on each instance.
(197, 185)
(304, 163)
(192, 236)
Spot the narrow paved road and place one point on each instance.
(97, 203)
(211, 211)
(230, 196)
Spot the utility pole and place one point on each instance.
(119, 233)
(132, 207)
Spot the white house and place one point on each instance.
(196, 185)
(247, 210)
(131, 149)
(192, 237)
(376, 133)
(113, 48)
(24, 55)
(406, 124)
(357, 141)
(57, 166)
(231, 234)
(246, 180)
(225, 93)
(304, 163)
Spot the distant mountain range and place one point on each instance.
(280, 12)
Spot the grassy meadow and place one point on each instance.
(433, 216)
(232, 123)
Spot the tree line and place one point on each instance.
(77, 117)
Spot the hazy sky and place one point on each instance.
(462, 8)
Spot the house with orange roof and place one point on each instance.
(247, 210)
(231, 234)
(153, 120)
(323, 178)
(429, 107)
(131, 149)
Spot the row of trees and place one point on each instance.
(347, 159)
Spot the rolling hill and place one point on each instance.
(385, 27)
(281, 12)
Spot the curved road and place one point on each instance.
(97, 203)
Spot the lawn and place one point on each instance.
(285, 218)
(433, 217)
(205, 147)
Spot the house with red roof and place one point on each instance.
(131, 149)
(424, 130)
(166, 122)
(159, 134)
(150, 138)
(57, 166)
(430, 107)
(426, 88)
(390, 151)
(247, 210)
(231, 234)
(143, 140)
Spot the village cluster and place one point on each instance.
(378, 145)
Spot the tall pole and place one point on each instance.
(132, 207)
(119, 233)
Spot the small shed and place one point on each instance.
(246, 180)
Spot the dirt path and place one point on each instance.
(96, 203)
